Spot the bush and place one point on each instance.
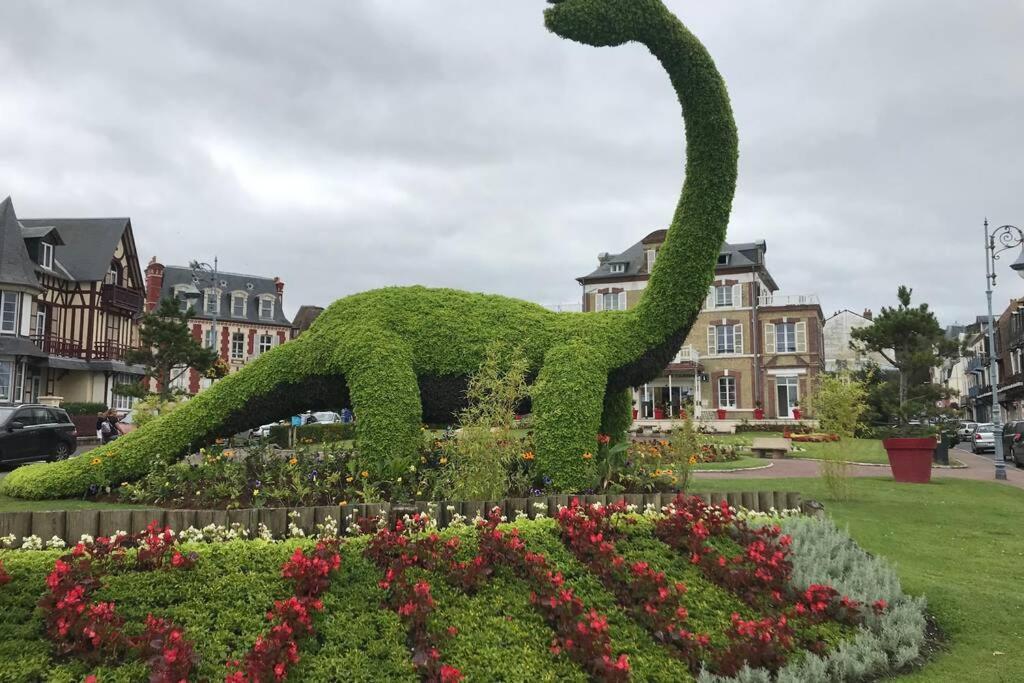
(312, 433)
(83, 408)
(839, 402)
(798, 428)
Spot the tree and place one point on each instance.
(911, 339)
(168, 350)
(839, 403)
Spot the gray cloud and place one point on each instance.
(345, 146)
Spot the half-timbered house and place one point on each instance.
(74, 287)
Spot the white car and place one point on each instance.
(263, 431)
(321, 417)
(966, 430)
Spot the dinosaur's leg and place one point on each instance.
(385, 395)
(618, 414)
(568, 399)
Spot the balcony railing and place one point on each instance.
(788, 300)
(73, 348)
(122, 299)
(564, 308)
(976, 364)
(686, 354)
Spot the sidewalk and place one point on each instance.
(979, 467)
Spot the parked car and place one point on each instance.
(36, 432)
(1013, 440)
(263, 431)
(966, 431)
(321, 417)
(983, 438)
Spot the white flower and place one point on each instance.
(56, 543)
(8, 540)
(32, 542)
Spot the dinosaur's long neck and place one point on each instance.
(685, 262)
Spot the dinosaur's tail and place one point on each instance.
(284, 381)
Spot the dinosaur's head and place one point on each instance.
(603, 23)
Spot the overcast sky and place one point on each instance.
(350, 145)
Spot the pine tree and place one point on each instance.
(168, 350)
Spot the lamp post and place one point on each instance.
(996, 242)
(205, 272)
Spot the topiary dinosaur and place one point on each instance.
(399, 354)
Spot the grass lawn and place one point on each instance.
(745, 462)
(958, 542)
(852, 450)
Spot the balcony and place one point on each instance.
(119, 299)
(976, 364)
(73, 348)
(776, 300)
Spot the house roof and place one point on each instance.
(16, 267)
(179, 278)
(19, 346)
(305, 317)
(89, 243)
(743, 255)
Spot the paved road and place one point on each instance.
(979, 467)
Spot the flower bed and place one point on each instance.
(600, 593)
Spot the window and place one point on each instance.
(46, 255)
(723, 296)
(6, 380)
(212, 303)
(180, 377)
(237, 346)
(785, 337)
(113, 276)
(9, 314)
(610, 301)
(41, 321)
(210, 340)
(19, 383)
(618, 267)
(723, 259)
(266, 308)
(725, 339)
(651, 255)
(238, 305)
(117, 401)
(726, 392)
(266, 343)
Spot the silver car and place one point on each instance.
(983, 438)
(966, 431)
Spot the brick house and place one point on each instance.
(69, 306)
(242, 316)
(749, 347)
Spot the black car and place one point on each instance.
(1013, 442)
(36, 432)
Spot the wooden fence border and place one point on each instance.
(70, 525)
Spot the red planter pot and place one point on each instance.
(659, 413)
(797, 413)
(721, 414)
(634, 413)
(910, 459)
(758, 414)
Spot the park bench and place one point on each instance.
(771, 447)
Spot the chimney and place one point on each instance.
(603, 257)
(279, 286)
(154, 283)
(867, 314)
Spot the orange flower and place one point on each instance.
(528, 455)
(587, 456)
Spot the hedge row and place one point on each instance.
(380, 347)
(312, 433)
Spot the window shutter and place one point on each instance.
(622, 301)
(598, 301)
(769, 337)
(709, 302)
(801, 337)
(737, 331)
(737, 295)
(711, 340)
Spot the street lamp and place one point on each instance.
(202, 272)
(999, 240)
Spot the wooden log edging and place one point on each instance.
(70, 525)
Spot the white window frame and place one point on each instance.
(728, 384)
(46, 255)
(266, 343)
(180, 376)
(610, 301)
(239, 352)
(6, 380)
(266, 302)
(211, 301)
(117, 401)
(785, 337)
(725, 339)
(14, 298)
(724, 296)
(235, 298)
(618, 267)
(19, 382)
(651, 255)
(210, 338)
(40, 321)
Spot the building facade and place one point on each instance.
(750, 351)
(72, 295)
(240, 316)
(839, 355)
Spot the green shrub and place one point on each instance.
(84, 408)
(378, 347)
(312, 433)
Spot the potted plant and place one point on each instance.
(910, 449)
(797, 413)
(758, 410)
(659, 412)
(634, 410)
(721, 413)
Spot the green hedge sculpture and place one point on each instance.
(399, 354)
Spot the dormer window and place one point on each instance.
(113, 276)
(266, 308)
(651, 255)
(238, 300)
(211, 302)
(618, 267)
(46, 255)
(723, 259)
